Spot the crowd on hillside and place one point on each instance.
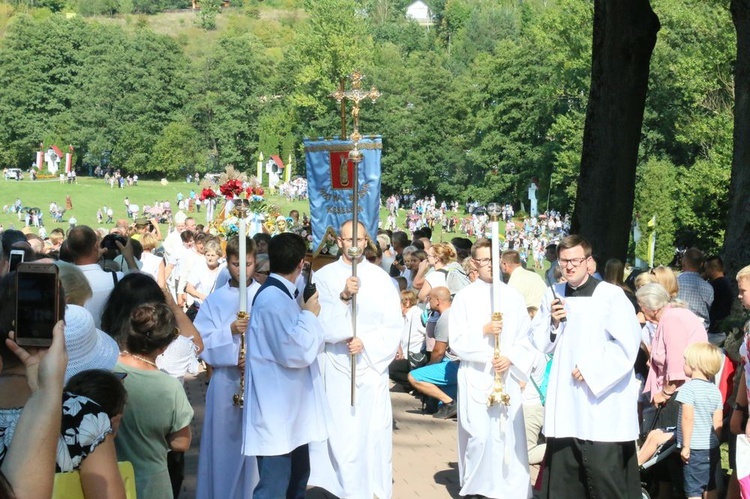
(561, 366)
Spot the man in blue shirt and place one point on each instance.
(697, 293)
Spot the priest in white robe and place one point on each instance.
(591, 417)
(492, 452)
(355, 463)
(223, 471)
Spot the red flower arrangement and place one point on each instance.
(207, 193)
(254, 191)
(231, 189)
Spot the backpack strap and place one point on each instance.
(114, 276)
(272, 282)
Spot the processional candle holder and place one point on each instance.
(498, 395)
(238, 399)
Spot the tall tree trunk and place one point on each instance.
(737, 236)
(624, 37)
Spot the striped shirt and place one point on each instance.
(705, 398)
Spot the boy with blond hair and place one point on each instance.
(700, 420)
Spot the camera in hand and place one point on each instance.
(109, 241)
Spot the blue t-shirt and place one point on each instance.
(705, 398)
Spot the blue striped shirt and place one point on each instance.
(705, 398)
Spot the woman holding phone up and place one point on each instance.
(86, 440)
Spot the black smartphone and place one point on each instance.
(37, 303)
(16, 257)
(310, 287)
(554, 295)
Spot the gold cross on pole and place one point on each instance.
(355, 95)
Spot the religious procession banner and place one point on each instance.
(330, 185)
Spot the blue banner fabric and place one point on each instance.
(330, 185)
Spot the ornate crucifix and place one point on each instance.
(355, 95)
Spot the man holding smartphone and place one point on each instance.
(83, 245)
(591, 417)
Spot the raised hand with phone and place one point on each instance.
(38, 303)
(557, 308)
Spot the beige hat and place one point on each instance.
(180, 218)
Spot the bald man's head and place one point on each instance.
(440, 299)
(441, 292)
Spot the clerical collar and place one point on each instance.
(585, 289)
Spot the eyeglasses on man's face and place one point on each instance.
(574, 262)
(350, 240)
(481, 262)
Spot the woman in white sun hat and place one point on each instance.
(88, 347)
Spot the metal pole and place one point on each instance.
(354, 254)
(355, 156)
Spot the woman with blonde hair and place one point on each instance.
(152, 264)
(667, 278)
(642, 279)
(434, 270)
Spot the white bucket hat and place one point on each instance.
(88, 347)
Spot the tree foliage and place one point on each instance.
(488, 99)
(655, 200)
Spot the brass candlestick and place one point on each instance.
(238, 399)
(498, 394)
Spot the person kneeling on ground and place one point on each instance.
(438, 378)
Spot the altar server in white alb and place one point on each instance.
(591, 416)
(285, 407)
(492, 455)
(356, 462)
(223, 471)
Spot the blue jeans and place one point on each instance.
(283, 476)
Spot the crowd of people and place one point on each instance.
(552, 380)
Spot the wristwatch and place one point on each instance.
(738, 407)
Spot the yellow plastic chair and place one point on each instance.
(68, 485)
